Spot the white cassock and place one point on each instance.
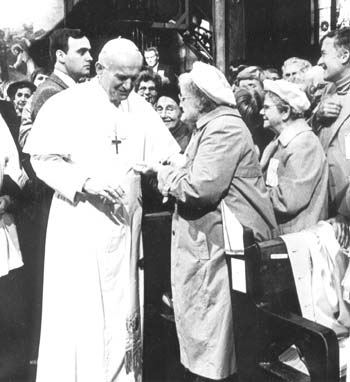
(91, 313)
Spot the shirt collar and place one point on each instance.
(65, 78)
(291, 131)
(217, 112)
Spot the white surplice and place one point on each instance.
(91, 315)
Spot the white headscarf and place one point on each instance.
(212, 82)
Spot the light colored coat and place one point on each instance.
(221, 164)
(300, 197)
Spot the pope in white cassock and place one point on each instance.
(84, 143)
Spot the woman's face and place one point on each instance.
(21, 97)
(169, 111)
(190, 106)
(273, 118)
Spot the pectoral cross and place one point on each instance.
(116, 141)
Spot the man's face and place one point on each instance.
(169, 111)
(272, 116)
(293, 73)
(331, 60)
(118, 79)
(151, 58)
(21, 97)
(77, 60)
(148, 91)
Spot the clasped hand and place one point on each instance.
(151, 169)
(329, 108)
(107, 193)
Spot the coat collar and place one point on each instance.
(342, 117)
(54, 78)
(217, 112)
(289, 133)
(67, 80)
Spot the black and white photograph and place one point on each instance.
(175, 191)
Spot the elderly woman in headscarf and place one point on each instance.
(295, 164)
(221, 166)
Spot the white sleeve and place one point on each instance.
(51, 142)
(60, 174)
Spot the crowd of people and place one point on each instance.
(272, 146)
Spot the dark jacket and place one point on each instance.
(11, 118)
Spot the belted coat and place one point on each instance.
(221, 163)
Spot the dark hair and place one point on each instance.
(152, 49)
(170, 91)
(59, 40)
(148, 75)
(249, 104)
(341, 37)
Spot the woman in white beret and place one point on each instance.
(221, 165)
(294, 163)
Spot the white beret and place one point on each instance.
(212, 82)
(290, 93)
